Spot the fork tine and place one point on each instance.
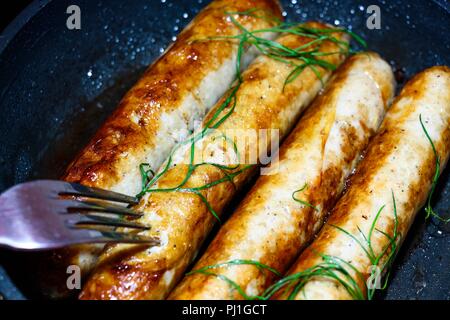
(101, 236)
(110, 208)
(74, 189)
(79, 205)
(121, 237)
(94, 220)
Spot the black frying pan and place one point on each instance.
(58, 85)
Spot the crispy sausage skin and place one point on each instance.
(162, 108)
(321, 152)
(182, 219)
(399, 163)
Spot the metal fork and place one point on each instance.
(47, 214)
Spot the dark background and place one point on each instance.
(10, 9)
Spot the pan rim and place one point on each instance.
(20, 21)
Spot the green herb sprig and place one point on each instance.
(331, 267)
(302, 57)
(429, 208)
(146, 171)
(303, 202)
(233, 284)
(336, 268)
(339, 270)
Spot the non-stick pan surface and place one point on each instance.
(58, 85)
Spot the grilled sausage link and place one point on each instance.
(161, 109)
(399, 165)
(270, 226)
(182, 219)
(175, 91)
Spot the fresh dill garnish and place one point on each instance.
(229, 171)
(146, 171)
(300, 58)
(257, 264)
(332, 267)
(429, 208)
(303, 202)
(233, 285)
(338, 269)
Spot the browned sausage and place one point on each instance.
(161, 109)
(398, 169)
(182, 219)
(269, 226)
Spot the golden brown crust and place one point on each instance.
(183, 217)
(398, 162)
(174, 75)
